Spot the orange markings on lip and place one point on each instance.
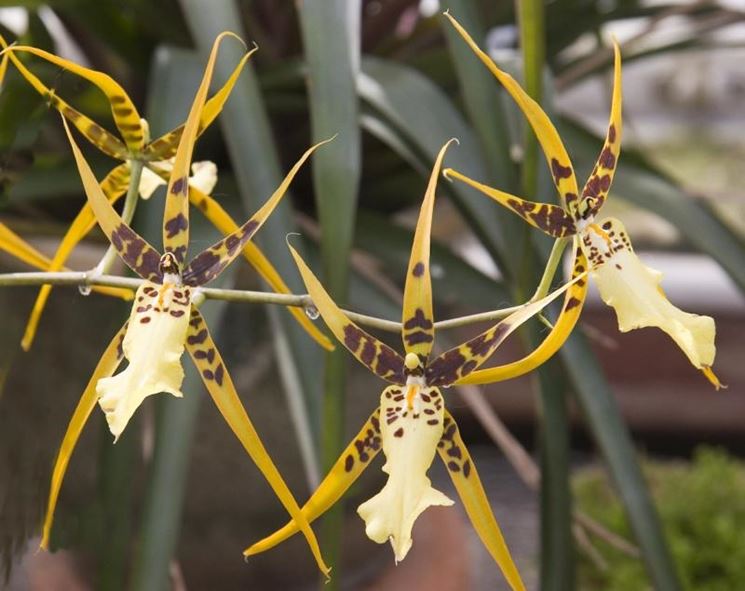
(602, 233)
(162, 292)
(410, 395)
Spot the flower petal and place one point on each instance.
(351, 463)
(107, 365)
(149, 183)
(153, 346)
(208, 361)
(633, 290)
(466, 479)
(411, 426)
(203, 176)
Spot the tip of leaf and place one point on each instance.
(287, 238)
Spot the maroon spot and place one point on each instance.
(444, 369)
(145, 320)
(399, 432)
(605, 183)
(349, 463)
(219, 374)
(433, 421)
(198, 338)
(572, 303)
(429, 411)
(179, 186)
(419, 320)
(466, 468)
(454, 452)
(417, 337)
(368, 352)
(612, 133)
(453, 467)
(248, 229)
(208, 375)
(177, 313)
(418, 270)
(424, 397)
(468, 367)
(559, 171)
(141, 309)
(176, 225)
(607, 159)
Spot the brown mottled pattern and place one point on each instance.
(203, 351)
(553, 220)
(453, 451)
(418, 328)
(365, 445)
(376, 356)
(142, 258)
(596, 189)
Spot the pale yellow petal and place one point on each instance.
(203, 176)
(411, 419)
(153, 346)
(149, 182)
(634, 291)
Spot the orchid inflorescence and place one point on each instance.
(411, 423)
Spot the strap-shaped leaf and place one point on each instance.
(570, 311)
(596, 190)
(113, 187)
(104, 140)
(466, 479)
(553, 148)
(216, 378)
(165, 146)
(209, 263)
(219, 218)
(134, 250)
(460, 361)
(176, 215)
(418, 332)
(126, 117)
(376, 356)
(351, 463)
(552, 219)
(107, 365)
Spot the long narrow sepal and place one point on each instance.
(126, 117)
(215, 213)
(134, 250)
(107, 365)
(209, 263)
(17, 247)
(165, 146)
(351, 463)
(466, 479)
(418, 332)
(457, 363)
(565, 323)
(551, 219)
(596, 190)
(553, 148)
(113, 187)
(216, 378)
(378, 357)
(176, 214)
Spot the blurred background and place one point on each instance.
(615, 466)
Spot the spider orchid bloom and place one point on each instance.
(164, 321)
(157, 156)
(411, 423)
(624, 282)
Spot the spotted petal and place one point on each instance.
(107, 365)
(378, 357)
(634, 291)
(411, 426)
(153, 345)
(466, 479)
(208, 361)
(553, 148)
(351, 463)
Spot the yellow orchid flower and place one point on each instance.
(157, 156)
(411, 423)
(164, 321)
(624, 282)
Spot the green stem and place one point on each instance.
(549, 272)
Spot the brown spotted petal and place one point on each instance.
(411, 426)
(153, 345)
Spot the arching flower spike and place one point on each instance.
(624, 282)
(411, 423)
(158, 158)
(164, 321)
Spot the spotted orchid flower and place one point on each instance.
(158, 158)
(411, 423)
(624, 281)
(164, 320)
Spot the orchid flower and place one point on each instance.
(164, 320)
(157, 156)
(624, 281)
(411, 423)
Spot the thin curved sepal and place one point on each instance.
(551, 219)
(3, 67)
(113, 187)
(176, 214)
(219, 218)
(126, 117)
(134, 250)
(104, 140)
(209, 263)
(375, 355)
(351, 463)
(462, 470)
(17, 247)
(216, 378)
(553, 148)
(165, 146)
(458, 362)
(596, 189)
(418, 331)
(107, 365)
(565, 323)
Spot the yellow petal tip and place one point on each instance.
(711, 376)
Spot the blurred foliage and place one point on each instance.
(702, 507)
